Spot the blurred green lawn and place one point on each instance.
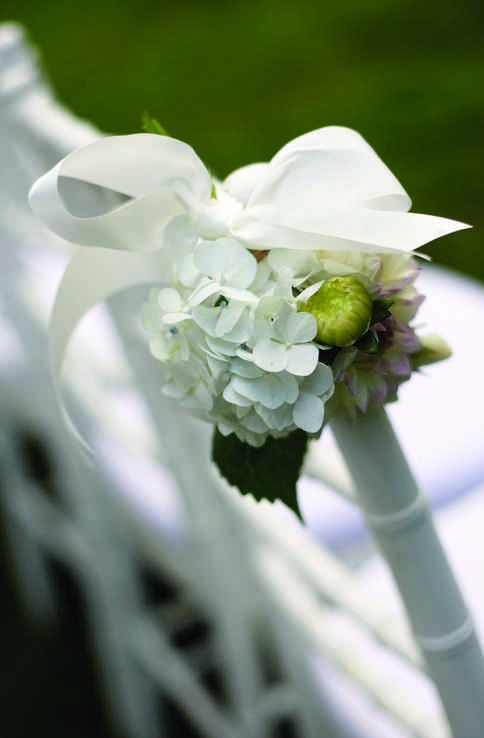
(237, 79)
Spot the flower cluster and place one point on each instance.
(245, 345)
(234, 347)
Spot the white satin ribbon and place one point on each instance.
(326, 190)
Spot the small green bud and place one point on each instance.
(433, 349)
(342, 307)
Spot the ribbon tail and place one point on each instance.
(92, 275)
(377, 231)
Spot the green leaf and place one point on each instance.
(151, 125)
(270, 471)
(214, 192)
(381, 309)
(368, 343)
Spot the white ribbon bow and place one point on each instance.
(325, 190)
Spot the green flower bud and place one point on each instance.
(342, 307)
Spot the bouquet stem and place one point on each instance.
(397, 513)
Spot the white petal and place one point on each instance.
(308, 292)
(159, 348)
(319, 382)
(226, 427)
(242, 182)
(233, 293)
(173, 318)
(270, 355)
(186, 271)
(262, 276)
(240, 267)
(301, 327)
(198, 399)
(206, 318)
(169, 300)
(211, 258)
(241, 331)
(229, 316)
(226, 261)
(246, 369)
(292, 388)
(302, 359)
(236, 398)
(226, 348)
(300, 263)
(254, 422)
(308, 413)
(204, 290)
(268, 390)
(276, 419)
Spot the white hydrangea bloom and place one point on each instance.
(238, 348)
(235, 349)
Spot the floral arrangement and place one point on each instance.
(284, 294)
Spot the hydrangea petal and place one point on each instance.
(186, 271)
(203, 291)
(169, 300)
(222, 347)
(308, 413)
(241, 330)
(279, 419)
(319, 382)
(242, 266)
(229, 316)
(246, 369)
(268, 390)
(211, 259)
(301, 327)
(302, 359)
(174, 318)
(254, 422)
(270, 355)
(237, 398)
(207, 318)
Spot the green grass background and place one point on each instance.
(237, 79)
